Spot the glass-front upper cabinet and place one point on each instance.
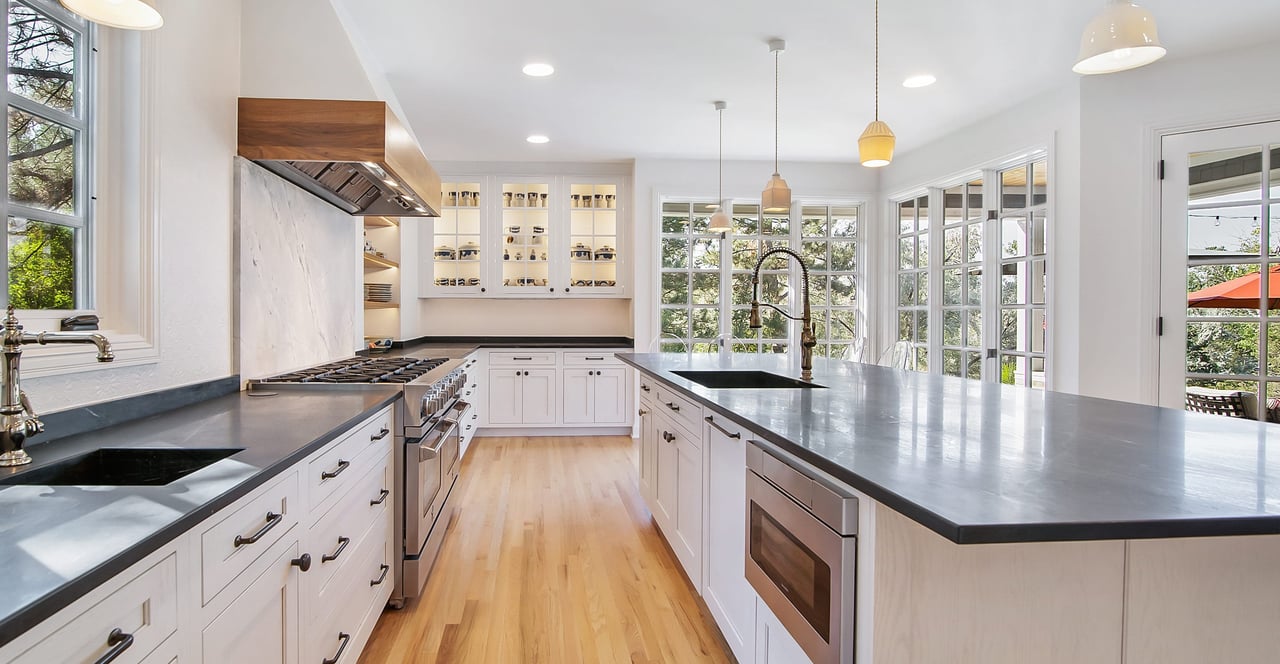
(526, 234)
(593, 238)
(457, 240)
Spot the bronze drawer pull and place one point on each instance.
(273, 520)
(302, 562)
(345, 639)
(381, 577)
(119, 642)
(672, 405)
(381, 434)
(342, 546)
(382, 498)
(712, 422)
(330, 474)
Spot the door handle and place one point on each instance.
(330, 474)
(119, 642)
(668, 436)
(302, 562)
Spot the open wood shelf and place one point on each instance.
(380, 305)
(374, 260)
(380, 222)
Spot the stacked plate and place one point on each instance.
(376, 292)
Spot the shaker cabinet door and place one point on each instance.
(539, 396)
(505, 396)
(261, 625)
(609, 398)
(579, 396)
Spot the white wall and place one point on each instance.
(1120, 117)
(1052, 121)
(298, 49)
(198, 82)
(656, 178)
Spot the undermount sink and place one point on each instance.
(744, 380)
(125, 466)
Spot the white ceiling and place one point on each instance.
(636, 78)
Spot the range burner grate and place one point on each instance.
(362, 370)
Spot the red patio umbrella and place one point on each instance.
(1239, 293)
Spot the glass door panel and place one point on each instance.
(526, 233)
(455, 262)
(593, 237)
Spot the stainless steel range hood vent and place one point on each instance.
(355, 155)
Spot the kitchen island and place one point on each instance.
(1001, 524)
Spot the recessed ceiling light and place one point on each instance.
(538, 138)
(919, 81)
(538, 69)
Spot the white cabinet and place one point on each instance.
(774, 644)
(522, 396)
(679, 495)
(648, 452)
(262, 624)
(538, 392)
(728, 594)
(595, 396)
(527, 237)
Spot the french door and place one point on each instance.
(1220, 264)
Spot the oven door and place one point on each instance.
(424, 477)
(803, 570)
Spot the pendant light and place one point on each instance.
(126, 14)
(1122, 37)
(721, 222)
(875, 145)
(776, 196)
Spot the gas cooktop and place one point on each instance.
(360, 370)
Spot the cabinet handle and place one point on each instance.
(482, 290)
(710, 420)
(644, 387)
(273, 520)
(468, 427)
(526, 373)
(119, 642)
(566, 290)
(643, 412)
(345, 639)
(554, 290)
(381, 434)
(382, 498)
(595, 358)
(381, 577)
(330, 474)
(517, 373)
(524, 359)
(302, 562)
(668, 436)
(672, 405)
(342, 546)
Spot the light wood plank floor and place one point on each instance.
(553, 558)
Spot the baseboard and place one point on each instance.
(530, 432)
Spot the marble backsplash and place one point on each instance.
(298, 276)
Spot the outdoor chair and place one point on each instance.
(1230, 403)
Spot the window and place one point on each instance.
(1023, 273)
(913, 279)
(47, 118)
(689, 309)
(705, 299)
(828, 242)
(962, 233)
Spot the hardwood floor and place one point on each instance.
(553, 558)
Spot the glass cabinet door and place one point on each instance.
(593, 237)
(526, 232)
(457, 252)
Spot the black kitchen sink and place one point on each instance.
(124, 466)
(744, 380)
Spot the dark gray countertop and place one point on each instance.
(56, 543)
(455, 347)
(979, 462)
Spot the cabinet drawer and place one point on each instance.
(334, 540)
(681, 410)
(573, 358)
(538, 358)
(344, 461)
(343, 606)
(233, 542)
(144, 610)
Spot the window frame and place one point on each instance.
(81, 120)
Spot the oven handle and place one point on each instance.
(426, 453)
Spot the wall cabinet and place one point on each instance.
(547, 236)
(262, 581)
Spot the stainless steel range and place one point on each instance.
(426, 446)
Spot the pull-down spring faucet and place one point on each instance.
(808, 337)
(18, 421)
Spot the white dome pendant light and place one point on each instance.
(721, 222)
(875, 145)
(1122, 37)
(125, 14)
(776, 196)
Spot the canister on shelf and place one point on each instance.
(609, 200)
(506, 199)
(599, 200)
(453, 199)
(519, 202)
(475, 199)
(575, 200)
(542, 200)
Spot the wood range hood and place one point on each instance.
(356, 155)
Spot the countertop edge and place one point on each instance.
(46, 606)
(1010, 533)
